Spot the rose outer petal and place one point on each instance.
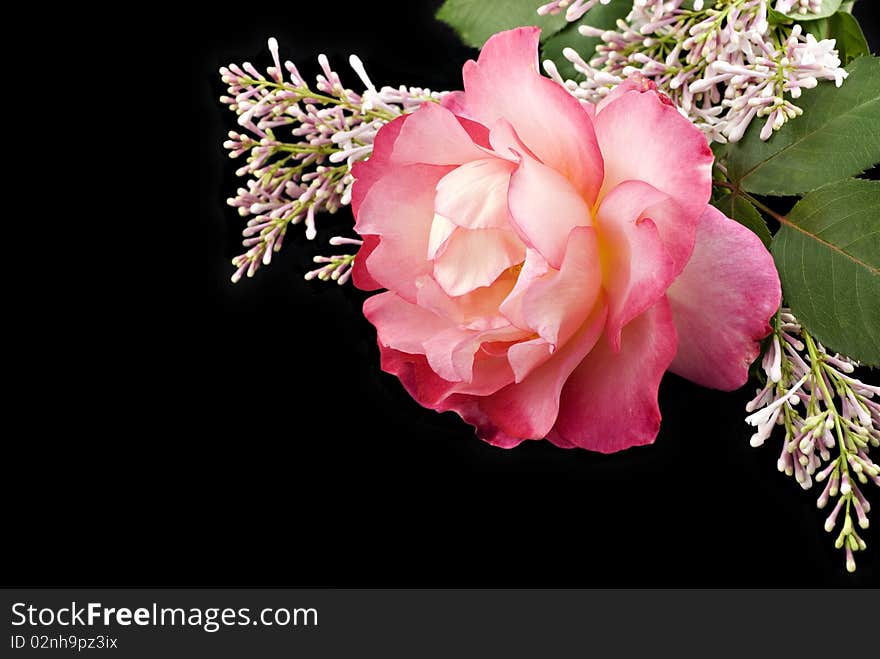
(721, 303)
(359, 273)
(399, 208)
(367, 172)
(434, 136)
(609, 402)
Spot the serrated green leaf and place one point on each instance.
(827, 252)
(828, 8)
(837, 136)
(601, 16)
(741, 209)
(477, 20)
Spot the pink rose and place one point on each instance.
(547, 261)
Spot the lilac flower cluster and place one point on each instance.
(723, 65)
(293, 178)
(831, 423)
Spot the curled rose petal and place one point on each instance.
(722, 303)
(644, 139)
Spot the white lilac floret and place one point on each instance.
(831, 423)
(722, 63)
(798, 6)
(301, 144)
(573, 9)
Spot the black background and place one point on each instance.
(284, 457)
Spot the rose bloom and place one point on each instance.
(547, 261)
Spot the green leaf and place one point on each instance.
(477, 20)
(601, 16)
(837, 136)
(851, 42)
(828, 253)
(777, 17)
(820, 29)
(719, 149)
(741, 209)
(828, 8)
(847, 6)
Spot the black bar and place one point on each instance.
(437, 623)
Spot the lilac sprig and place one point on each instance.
(337, 267)
(831, 423)
(307, 170)
(722, 63)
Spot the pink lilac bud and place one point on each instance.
(831, 520)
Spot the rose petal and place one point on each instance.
(525, 356)
(435, 393)
(416, 376)
(359, 273)
(556, 305)
(528, 409)
(441, 231)
(453, 353)
(643, 139)
(504, 83)
(490, 373)
(434, 136)
(476, 131)
(506, 143)
(544, 208)
(450, 350)
(721, 303)
(456, 102)
(477, 310)
(635, 82)
(400, 208)
(447, 362)
(474, 195)
(533, 267)
(610, 401)
(367, 172)
(637, 268)
(472, 259)
(402, 325)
